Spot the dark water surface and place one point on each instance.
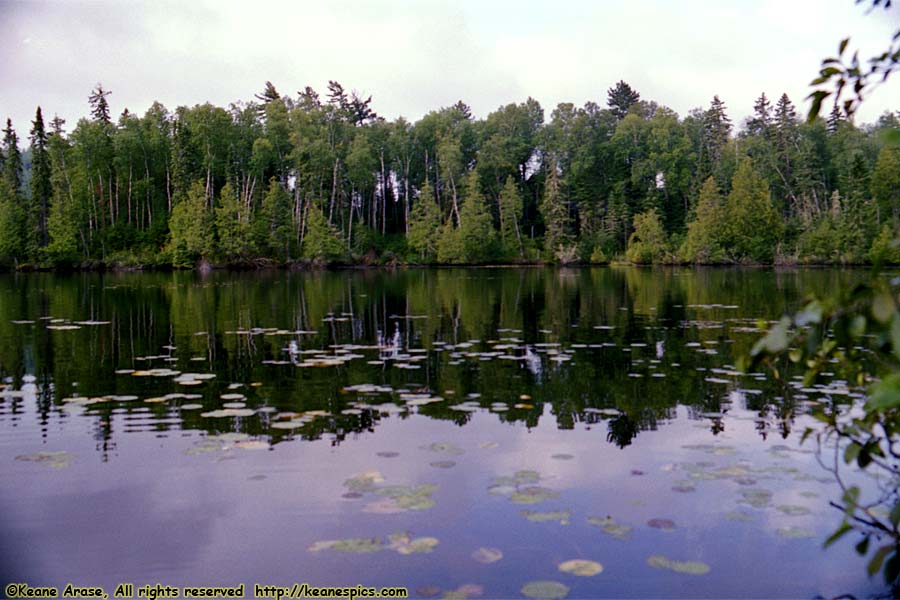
(380, 428)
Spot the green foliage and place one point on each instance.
(705, 237)
(648, 243)
(273, 224)
(886, 182)
(424, 225)
(510, 216)
(557, 221)
(753, 226)
(232, 226)
(12, 223)
(450, 247)
(884, 247)
(191, 228)
(476, 229)
(322, 242)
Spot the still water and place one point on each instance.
(460, 432)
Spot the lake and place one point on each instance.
(465, 432)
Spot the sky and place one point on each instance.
(414, 56)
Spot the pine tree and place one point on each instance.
(717, 128)
(761, 121)
(510, 216)
(648, 243)
(885, 183)
(835, 119)
(12, 214)
(273, 226)
(620, 98)
(753, 226)
(232, 225)
(424, 225)
(41, 186)
(12, 165)
(99, 105)
(322, 242)
(476, 228)
(557, 224)
(705, 232)
(191, 228)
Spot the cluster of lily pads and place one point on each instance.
(401, 542)
(392, 499)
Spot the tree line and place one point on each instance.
(307, 178)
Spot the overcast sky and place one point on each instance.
(419, 55)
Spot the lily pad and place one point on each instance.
(562, 456)
(610, 526)
(54, 460)
(545, 590)
(444, 448)
(580, 567)
(756, 497)
(487, 556)
(387, 454)
(443, 464)
(793, 510)
(795, 533)
(532, 495)
(686, 567)
(662, 524)
(563, 516)
(740, 516)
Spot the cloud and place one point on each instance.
(413, 57)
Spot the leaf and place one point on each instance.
(582, 568)
(895, 514)
(487, 556)
(817, 98)
(878, 559)
(545, 590)
(775, 341)
(851, 452)
(863, 546)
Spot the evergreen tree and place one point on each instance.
(648, 244)
(232, 225)
(555, 210)
(510, 216)
(12, 165)
(717, 128)
(424, 225)
(273, 226)
(753, 227)
(191, 228)
(835, 119)
(41, 186)
(761, 121)
(885, 183)
(620, 98)
(705, 232)
(476, 229)
(322, 242)
(12, 213)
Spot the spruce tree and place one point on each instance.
(41, 187)
(510, 216)
(557, 224)
(753, 226)
(705, 232)
(476, 228)
(620, 98)
(424, 225)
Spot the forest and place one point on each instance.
(312, 180)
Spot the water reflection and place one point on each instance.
(635, 343)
